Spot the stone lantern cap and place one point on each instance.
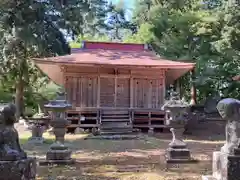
(175, 102)
(58, 105)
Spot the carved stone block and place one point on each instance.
(226, 163)
(59, 154)
(24, 169)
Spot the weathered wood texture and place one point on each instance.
(82, 91)
(116, 88)
(107, 90)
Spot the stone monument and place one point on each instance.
(14, 163)
(176, 109)
(59, 153)
(226, 162)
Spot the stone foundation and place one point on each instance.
(18, 170)
(219, 167)
(59, 154)
(178, 154)
(36, 140)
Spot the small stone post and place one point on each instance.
(37, 133)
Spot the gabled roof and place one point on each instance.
(114, 54)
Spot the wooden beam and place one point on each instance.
(193, 88)
(115, 91)
(98, 91)
(131, 92)
(150, 88)
(130, 67)
(164, 87)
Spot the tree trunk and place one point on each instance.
(19, 98)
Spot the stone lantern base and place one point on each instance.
(36, 140)
(24, 169)
(179, 154)
(225, 166)
(37, 133)
(178, 151)
(58, 154)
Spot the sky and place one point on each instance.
(129, 4)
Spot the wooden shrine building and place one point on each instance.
(114, 82)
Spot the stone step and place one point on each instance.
(129, 136)
(114, 132)
(116, 127)
(115, 124)
(115, 120)
(115, 116)
(110, 112)
(119, 128)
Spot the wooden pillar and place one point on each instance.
(65, 79)
(98, 90)
(177, 86)
(193, 88)
(115, 89)
(131, 92)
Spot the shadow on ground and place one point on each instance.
(141, 159)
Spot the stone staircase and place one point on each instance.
(114, 122)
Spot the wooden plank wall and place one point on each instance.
(123, 92)
(148, 93)
(82, 91)
(92, 87)
(107, 89)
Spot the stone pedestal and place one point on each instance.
(226, 163)
(37, 133)
(24, 169)
(178, 151)
(224, 166)
(219, 167)
(233, 167)
(58, 154)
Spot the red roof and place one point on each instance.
(114, 46)
(115, 57)
(116, 54)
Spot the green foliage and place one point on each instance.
(116, 23)
(205, 33)
(144, 35)
(35, 29)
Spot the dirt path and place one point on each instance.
(125, 159)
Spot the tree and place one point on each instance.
(27, 30)
(117, 24)
(80, 17)
(205, 33)
(38, 29)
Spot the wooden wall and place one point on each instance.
(117, 88)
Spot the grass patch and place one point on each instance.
(48, 139)
(138, 159)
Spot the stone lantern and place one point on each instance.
(176, 109)
(59, 153)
